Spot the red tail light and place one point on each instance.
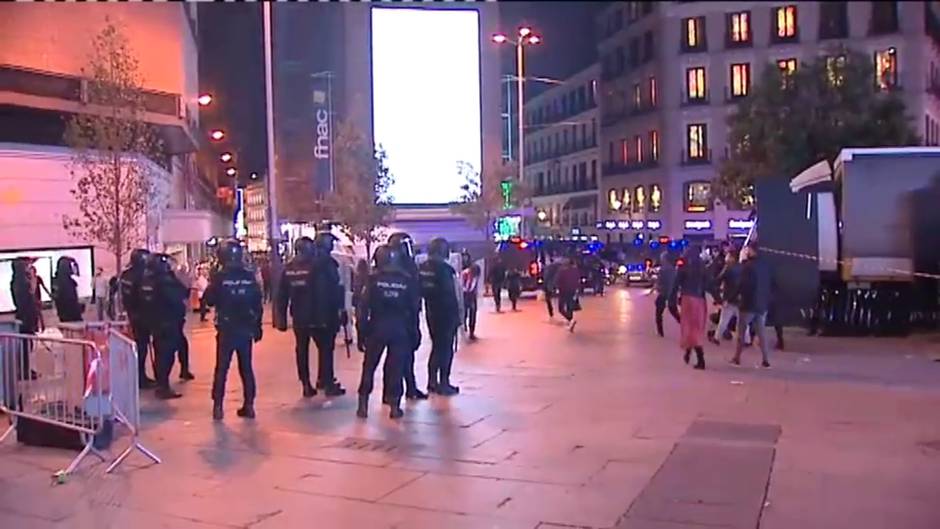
(534, 268)
(680, 261)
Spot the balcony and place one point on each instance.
(697, 160)
(552, 154)
(619, 168)
(687, 101)
(552, 118)
(562, 189)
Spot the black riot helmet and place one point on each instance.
(66, 267)
(385, 257)
(439, 248)
(160, 264)
(324, 243)
(404, 243)
(304, 247)
(139, 258)
(231, 254)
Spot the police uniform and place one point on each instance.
(163, 304)
(328, 316)
(402, 243)
(443, 314)
(387, 324)
(65, 291)
(238, 300)
(295, 291)
(129, 284)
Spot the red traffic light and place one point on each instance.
(663, 239)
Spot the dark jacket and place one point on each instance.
(692, 278)
(666, 281)
(550, 275)
(497, 273)
(729, 284)
(65, 295)
(27, 310)
(129, 285)
(756, 285)
(238, 300)
(568, 280)
(388, 307)
(162, 301)
(439, 290)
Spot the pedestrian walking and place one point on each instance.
(202, 283)
(387, 324)
(691, 285)
(568, 281)
(549, 275)
(756, 292)
(470, 283)
(443, 302)
(65, 291)
(101, 294)
(514, 287)
(497, 280)
(727, 291)
(37, 287)
(237, 298)
(665, 291)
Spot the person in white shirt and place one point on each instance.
(101, 293)
(470, 283)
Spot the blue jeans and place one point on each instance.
(758, 323)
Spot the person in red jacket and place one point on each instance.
(568, 282)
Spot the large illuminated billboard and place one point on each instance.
(426, 99)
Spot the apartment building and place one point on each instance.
(671, 73)
(562, 163)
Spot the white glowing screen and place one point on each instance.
(426, 99)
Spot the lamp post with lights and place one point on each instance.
(525, 37)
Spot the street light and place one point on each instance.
(526, 37)
(205, 100)
(226, 157)
(253, 176)
(230, 171)
(217, 134)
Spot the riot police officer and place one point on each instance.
(442, 301)
(130, 281)
(329, 312)
(65, 291)
(163, 304)
(405, 259)
(387, 324)
(295, 290)
(238, 300)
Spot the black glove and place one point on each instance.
(343, 318)
(258, 334)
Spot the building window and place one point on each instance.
(656, 198)
(654, 145)
(637, 101)
(886, 69)
(648, 46)
(696, 142)
(787, 69)
(695, 84)
(739, 29)
(693, 34)
(624, 151)
(740, 79)
(634, 52)
(698, 197)
(638, 147)
(785, 28)
(593, 173)
(613, 200)
(639, 199)
(835, 69)
(610, 153)
(833, 20)
(626, 199)
(653, 94)
(884, 18)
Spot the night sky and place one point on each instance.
(231, 63)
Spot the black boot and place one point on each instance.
(395, 412)
(146, 383)
(699, 358)
(217, 413)
(247, 411)
(167, 394)
(416, 394)
(363, 410)
(185, 375)
(446, 390)
(334, 389)
(712, 338)
(687, 355)
(309, 390)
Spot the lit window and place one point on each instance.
(654, 145)
(695, 83)
(693, 34)
(638, 146)
(698, 197)
(624, 151)
(696, 141)
(740, 79)
(785, 23)
(656, 198)
(787, 68)
(739, 27)
(886, 69)
(834, 69)
(652, 82)
(626, 199)
(613, 200)
(636, 96)
(639, 199)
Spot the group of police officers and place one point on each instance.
(310, 289)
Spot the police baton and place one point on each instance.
(347, 340)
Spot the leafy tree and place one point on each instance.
(117, 184)
(791, 121)
(483, 201)
(360, 201)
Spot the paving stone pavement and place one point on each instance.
(602, 428)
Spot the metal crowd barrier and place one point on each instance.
(53, 381)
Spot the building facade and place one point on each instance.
(671, 73)
(256, 217)
(562, 163)
(45, 49)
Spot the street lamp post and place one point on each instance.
(525, 37)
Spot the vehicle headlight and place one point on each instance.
(622, 269)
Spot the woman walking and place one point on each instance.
(691, 284)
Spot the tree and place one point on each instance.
(482, 201)
(360, 202)
(793, 120)
(117, 184)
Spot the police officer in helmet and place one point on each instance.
(443, 300)
(129, 284)
(237, 297)
(65, 291)
(329, 311)
(295, 291)
(387, 323)
(405, 258)
(163, 305)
